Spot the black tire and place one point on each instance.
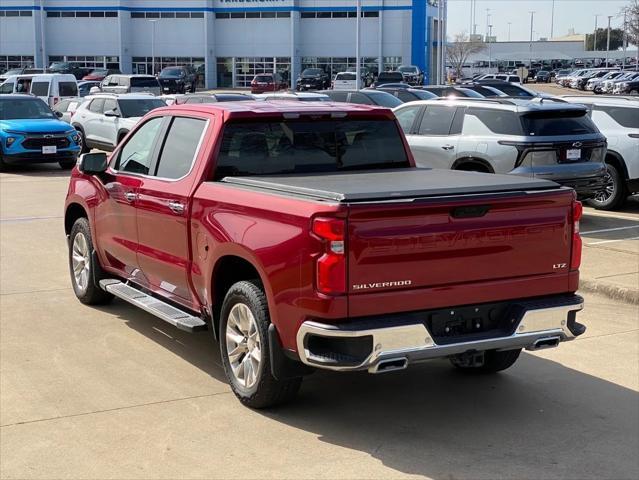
(494, 361)
(83, 143)
(266, 391)
(615, 193)
(3, 165)
(67, 164)
(92, 294)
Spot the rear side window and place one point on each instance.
(406, 118)
(96, 105)
(143, 82)
(346, 76)
(436, 120)
(136, 156)
(68, 89)
(626, 117)
(555, 123)
(338, 96)
(503, 122)
(303, 146)
(40, 89)
(180, 147)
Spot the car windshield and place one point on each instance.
(139, 107)
(171, 72)
(407, 69)
(393, 76)
(263, 78)
(346, 76)
(384, 99)
(514, 90)
(312, 72)
(303, 146)
(557, 122)
(24, 109)
(423, 94)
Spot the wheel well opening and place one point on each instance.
(74, 211)
(614, 160)
(227, 271)
(473, 165)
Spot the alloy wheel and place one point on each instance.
(80, 261)
(608, 190)
(243, 345)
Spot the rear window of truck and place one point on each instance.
(143, 82)
(555, 123)
(302, 146)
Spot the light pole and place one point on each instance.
(608, 41)
(357, 52)
(153, 22)
(509, 24)
(487, 19)
(532, 16)
(490, 50)
(552, 19)
(594, 43)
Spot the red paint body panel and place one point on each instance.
(507, 254)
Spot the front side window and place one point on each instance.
(68, 89)
(305, 146)
(40, 89)
(180, 147)
(136, 156)
(110, 104)
(436, 120)
(406, 118)
(6, 88)
(139, 107)
(96, 105)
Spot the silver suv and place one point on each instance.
(618, 119)
(535, 138)
(119, 83)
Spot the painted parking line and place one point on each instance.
(603, 230)
(601, 242)
(612, 215)
(27, 219)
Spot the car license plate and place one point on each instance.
(307, 85)
(49, 149)
(573, 154)
(166, 89)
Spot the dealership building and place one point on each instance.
(229, 41)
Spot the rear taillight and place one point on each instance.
(56, 100)
(331, 266)
(575, 258)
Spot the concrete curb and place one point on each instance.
(629, 295)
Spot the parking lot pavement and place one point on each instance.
(112, 392)
(554, 89)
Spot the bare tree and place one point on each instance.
(460, 50)
(632, 21)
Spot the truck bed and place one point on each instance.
(391, 184)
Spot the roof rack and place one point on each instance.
(501, 100)
(626, 98)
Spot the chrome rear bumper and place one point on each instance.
(541, 324)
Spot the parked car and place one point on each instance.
(618, 120)
(293, 96)
(609, 85)
(313, 79)
(16, 84)
(20, 71)
(504, 77)
(191, 98)
(66, 108)
(388, 77)
(268, 82)
(628, 86)
(595, 84)
(346, 81)
(484, 90)
(31, 133)
(53, 87)
(85, 86)
(179, 79)
(131, 84)
(451, 91)
(411, 74)
(99, 74)
(304, 238)
(77, 70)
(555, 141)
(103, 120)
(579, 83)
(367, 96)
(542, 76)
(408, 94)
(510, 89)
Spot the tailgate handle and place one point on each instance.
(470, 212)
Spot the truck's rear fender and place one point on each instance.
(236, 231)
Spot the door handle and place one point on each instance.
(448, 147)
(130, 196)
(176, 207)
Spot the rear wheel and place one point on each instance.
(614, 193)
(82, 141)
(3, 164)
(245, 348)
(494, 361)
(66, 164)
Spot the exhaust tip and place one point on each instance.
(541, 343)
(390, 365)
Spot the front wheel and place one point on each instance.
(614, 193)
(85, 271)
(494, 361)
(245, 349)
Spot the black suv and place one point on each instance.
(178, 79)
(313, 79)
(67, 67)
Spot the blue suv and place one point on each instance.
(31, 133)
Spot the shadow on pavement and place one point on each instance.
(539, 419)
(36, 170)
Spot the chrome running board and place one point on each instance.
(162, 310)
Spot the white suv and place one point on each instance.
(104, 119)
(618, 119)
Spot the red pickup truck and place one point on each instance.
(303, 236)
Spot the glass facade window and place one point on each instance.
(144, 65)
(322, 14)
(251, 15)
(81, 14)
(334, 65)
(247, 67)
(90, 61)
(9, 62)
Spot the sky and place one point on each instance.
(577, 14)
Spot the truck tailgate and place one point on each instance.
(451, 241)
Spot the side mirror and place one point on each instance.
(95, 90)
(57, 114)
(111, 113)
(93, 163)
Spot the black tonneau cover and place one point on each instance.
(391, 184)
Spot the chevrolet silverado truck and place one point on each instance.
(304, 237)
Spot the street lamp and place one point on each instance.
(608, 41)
(594, 43)
(509, 24)
(532, 16)
(490, 50)
(552, 19)
(487, 19)
(153, 22)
